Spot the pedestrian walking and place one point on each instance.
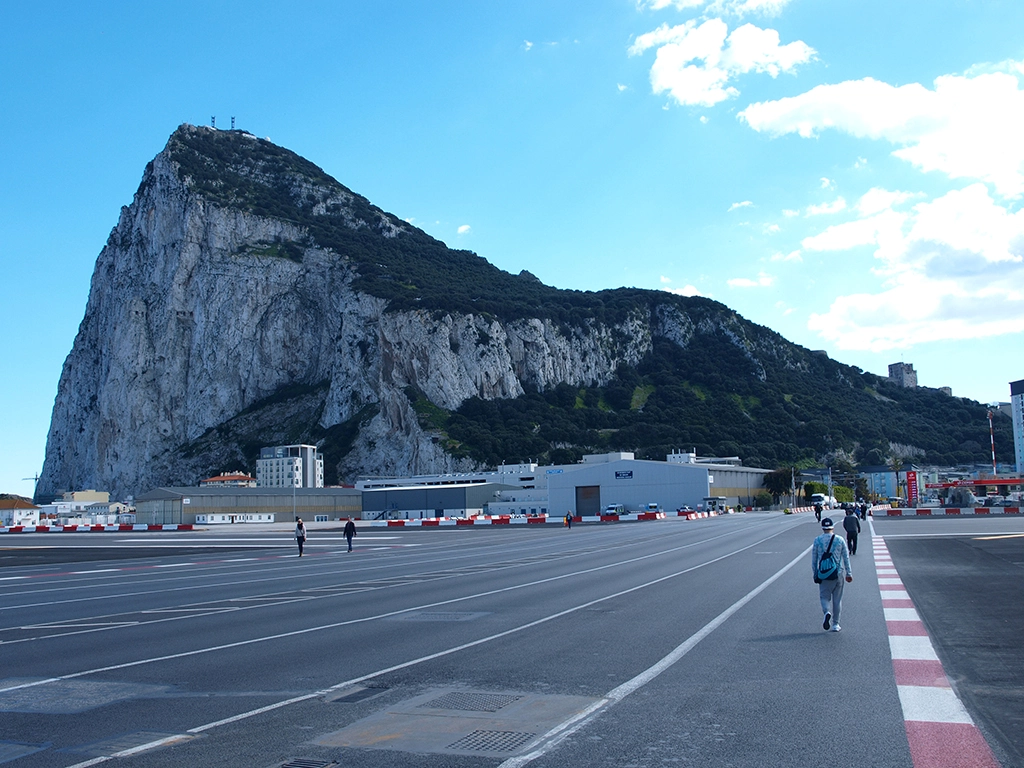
(817, 512)
(864, 511)
(852, 526)
(568, 519)
(300, 534)
(830, 564)
(350, 531)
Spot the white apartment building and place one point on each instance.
(290, 466)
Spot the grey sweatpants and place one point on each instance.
(831, 594)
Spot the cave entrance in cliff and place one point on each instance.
(588, 500)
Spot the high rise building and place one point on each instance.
(287, 466)
(1017, 403)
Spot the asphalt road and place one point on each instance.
(661, 643)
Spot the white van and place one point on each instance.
(828, 502)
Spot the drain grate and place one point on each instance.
(472, 702)
(491, 741)
(300, 762)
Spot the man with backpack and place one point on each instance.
(830, 564)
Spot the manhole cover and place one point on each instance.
(466, 701)
(491, 741)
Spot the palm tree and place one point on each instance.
(896, 465)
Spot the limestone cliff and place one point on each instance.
(247, 298)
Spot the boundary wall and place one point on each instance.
(93, 528)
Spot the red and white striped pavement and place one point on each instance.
(940, 731)
(114, 528)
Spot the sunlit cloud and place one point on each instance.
(792, 256)
(835, 206)
(695, 63)
(464, 229)
(953, 269)
(744, 204)
(967, 127)
(763, 280)
(687, 290)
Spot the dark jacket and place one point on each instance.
(851, 523)
(350, 528)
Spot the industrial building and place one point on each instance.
(411, 502)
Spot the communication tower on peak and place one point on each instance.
(232, 122)
(213, 121)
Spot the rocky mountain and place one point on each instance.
(246, 298)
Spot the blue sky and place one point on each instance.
(848, 173)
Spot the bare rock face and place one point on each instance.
(245, 297)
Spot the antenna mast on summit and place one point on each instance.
(213, 121)
(232, 122)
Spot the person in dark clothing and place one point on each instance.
(568, 519)
(350, 531)
(300, 534)
(852, 526)
(817, 512)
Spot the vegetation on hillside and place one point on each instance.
(711, 396)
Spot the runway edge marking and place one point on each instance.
(940, 731)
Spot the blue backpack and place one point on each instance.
(828, 566)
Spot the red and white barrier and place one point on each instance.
(950, 511)
(113, 528)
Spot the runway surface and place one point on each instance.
(663, 643)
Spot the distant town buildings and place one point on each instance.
(290, 466)
(1017, 403)
(236, 479)
(903, 374)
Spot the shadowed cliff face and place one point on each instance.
(245, 298)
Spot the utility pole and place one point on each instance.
(992, 439)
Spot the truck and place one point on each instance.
(826, 501)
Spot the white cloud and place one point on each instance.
(744, 204)
(876, 200)
(704, 119)
(837, 205)
(763, 281)
(527, 45)
(793, 256)
(464, 229)
(788, 213)
(688, 290)
(771, 229)
(622, 87)
(695, 63)
(953, 269)
(665, 280)
(827, 183)
(965, 127)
